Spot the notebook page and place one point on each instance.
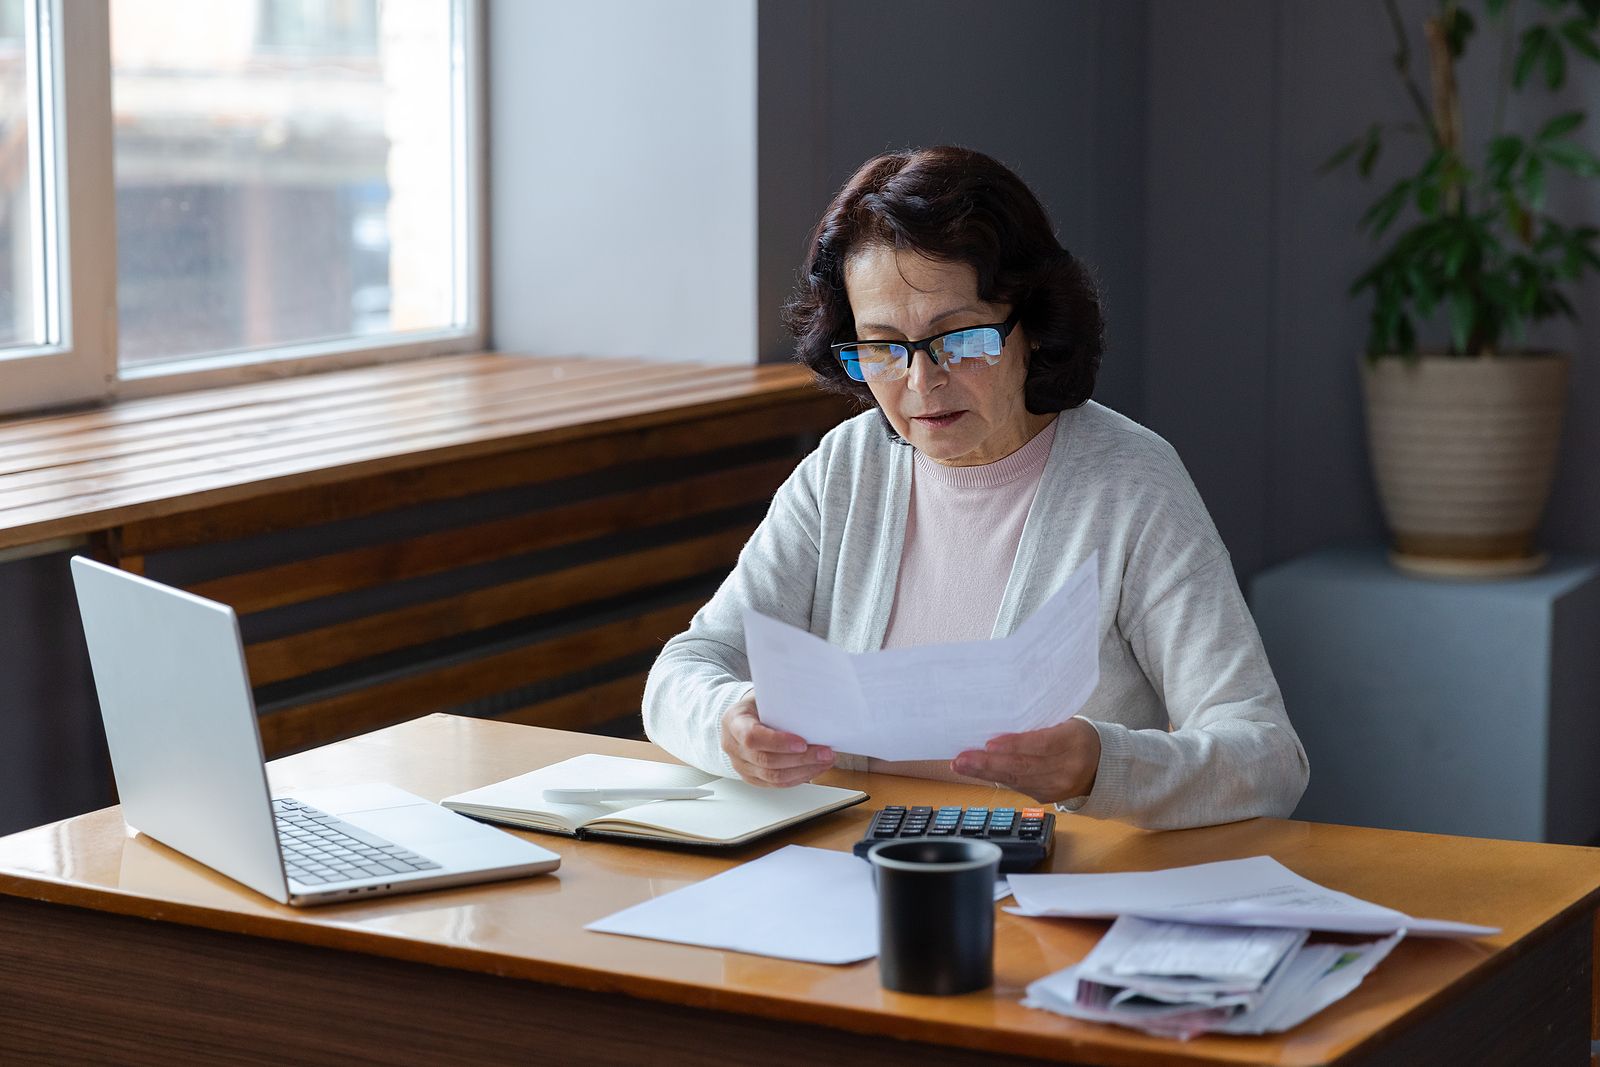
(525, 792)
(736, 808)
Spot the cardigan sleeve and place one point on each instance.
(704, 670)
(1230, 753)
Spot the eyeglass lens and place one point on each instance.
(886, 361)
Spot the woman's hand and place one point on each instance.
(765, 756)
(1056, 763)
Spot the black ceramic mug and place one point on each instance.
(935, 914)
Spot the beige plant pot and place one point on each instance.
(1464, 452)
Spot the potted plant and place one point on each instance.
(1464, 440)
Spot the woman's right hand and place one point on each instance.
(766, 756)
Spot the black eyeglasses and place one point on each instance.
(889, 361)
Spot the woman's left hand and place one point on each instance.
(1056, 763)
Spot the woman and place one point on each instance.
(936, 292)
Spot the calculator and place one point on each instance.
(1026, 836)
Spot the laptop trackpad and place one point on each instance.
(416, 826)
(389, 812)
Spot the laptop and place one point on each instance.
(186, 750)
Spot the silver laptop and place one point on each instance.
(181, 724)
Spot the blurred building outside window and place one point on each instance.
(21, 214)
(289, 177)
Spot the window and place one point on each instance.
(255, 187)
(25, 313)
(316, 26)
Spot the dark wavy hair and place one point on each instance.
(956, 205)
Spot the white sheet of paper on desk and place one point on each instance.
(810, 904)
(1258, 891)
(931, 701)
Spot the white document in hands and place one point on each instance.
(931, 701)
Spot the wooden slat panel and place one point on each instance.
(115, 506)
(332, 438)
(737, 424)
(390, 631)
(584, 708)
(363, 568)
(407, 698)
(251, 394)
(378, 402)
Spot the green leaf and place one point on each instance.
(1550, 238)
(1517, 220)
(1494, 7)
(1460, 28)
(1454, 256)
(1571, 264)
(1383, 211)
(1560, 126)
(1499, 292)
(1463, 314)
(1555, 64)
(1579, 244)
(1405, 336)
(1504, 151)
(1427, 198)
(1369, 154)
(1344, 153)
(1576, 31)
(1528, 52)
(1573, 157)
(1533, 182)
(1529, 292)
(1519, 327)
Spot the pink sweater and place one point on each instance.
(961, 539)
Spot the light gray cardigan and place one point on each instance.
(1192, 727)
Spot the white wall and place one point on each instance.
(623, 178)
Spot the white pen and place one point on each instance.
(596, 796)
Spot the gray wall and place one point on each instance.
(52, 751)
(1026, 82)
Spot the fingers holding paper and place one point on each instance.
(766, 756)
(1055, 763)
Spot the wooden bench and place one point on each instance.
(509, 536)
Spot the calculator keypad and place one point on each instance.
(1025, 835)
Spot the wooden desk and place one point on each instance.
(115, 949)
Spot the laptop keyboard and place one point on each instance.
(319, 849)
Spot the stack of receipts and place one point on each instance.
(1180, 980)
(1214, 947)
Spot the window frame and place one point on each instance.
(82, 365)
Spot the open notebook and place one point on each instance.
(736, 812)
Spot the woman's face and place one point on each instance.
(962, 416)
